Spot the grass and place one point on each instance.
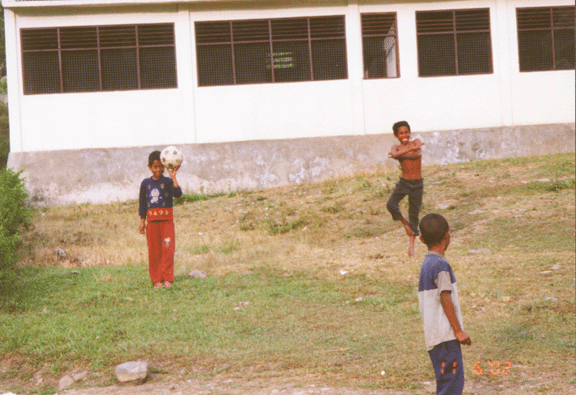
(310, 282)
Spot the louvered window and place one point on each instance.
(380, 45)
(454, 42)
(271, 50)
(98, 58)
(546, 38)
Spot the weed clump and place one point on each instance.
(13, 215)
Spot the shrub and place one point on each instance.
(4, 135)
(13, 215)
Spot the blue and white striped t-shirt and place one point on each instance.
(436, 276)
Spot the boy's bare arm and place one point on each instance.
(142, 227)
(410, 151)
(448, 307)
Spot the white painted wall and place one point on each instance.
(192, 114)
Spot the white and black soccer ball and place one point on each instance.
(171, 157)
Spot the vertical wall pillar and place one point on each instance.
(186, 71)
(13, 79)
(502, 36)
(355, 68)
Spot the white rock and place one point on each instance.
(197, 274)
(80, 375)
(65, 382)
(62, 254)
(480, 251)
(556, 267)
(551, 299)
(132, 371)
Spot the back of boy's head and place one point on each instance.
(433, 228)
(397, 126)
(153, 156)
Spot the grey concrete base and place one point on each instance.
(106, 175)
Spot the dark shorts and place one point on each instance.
(414, 189)
(447, 362)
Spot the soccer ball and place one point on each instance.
(171, 157)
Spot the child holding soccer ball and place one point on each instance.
(155, 206)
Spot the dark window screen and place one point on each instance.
(98, 58)
(546, 38)
(380, 45)
(454, 42)
(271, 50)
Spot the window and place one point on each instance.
(546, 38)
(454, 42)
(98, 58)
(380, 45)
(271, 50)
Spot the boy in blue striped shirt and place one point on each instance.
(440, 308)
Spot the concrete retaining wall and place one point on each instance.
(106, 175)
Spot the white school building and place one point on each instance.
(260, 93)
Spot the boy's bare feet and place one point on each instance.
(167, 284)
(157, 285)
(408, 229)
(411, 251)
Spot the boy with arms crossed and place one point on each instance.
(440, 308)
(155, 205)
(410, 183)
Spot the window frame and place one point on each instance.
(99, 48)
(270, 40)
(552, 29)
(455, 32)
(364, 27)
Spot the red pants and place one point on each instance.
(161, 248)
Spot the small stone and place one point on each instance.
(546, 272)
(80, 375)
(556, 267)
(61, 254)
(551, 299)
(132, 371)
(65, 382)
(241, 305)
(443, 206)
(476, 212)
(75, 272)
(480, 251)
(197, 274)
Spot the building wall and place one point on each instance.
(265, 135)
(355, 106)
(114, 174)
